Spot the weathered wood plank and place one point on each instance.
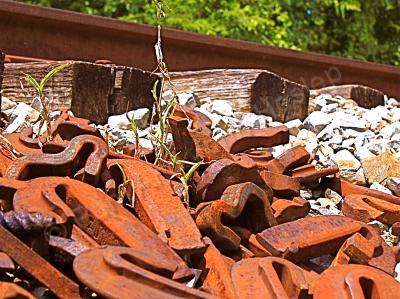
(258, 91)
(364, 96)
(89, 90)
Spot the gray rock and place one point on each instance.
(333, 196)
(218, 133)
(275, 124)
(327, 133)
(188, 100)
(377, 146)
(221, 107)
(22, 117)
(379, 187)
(7, 104)
(362, 153)
(350, 167)
(317, 121)
(294, 126)
(140, 116)
(393, 184)
(37, 104)
(348, 121)
(251, 120)
(217, 120)
(393, 102)
(390, 130)
(306, 193)
(324, 206)
(380, 227)
(329, 108)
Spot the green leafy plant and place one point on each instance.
(183, 175)
(39, 88)
(135, 130)
(127, 186)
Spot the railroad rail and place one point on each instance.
(47, 33)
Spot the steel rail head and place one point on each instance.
(121, 272)
(242, 205)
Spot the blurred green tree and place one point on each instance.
(366, 30)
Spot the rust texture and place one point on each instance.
(77, 219)
(163, 212)
(354, 281)
(297, 240)
(12, 290)
(93, 211)
(244, 207)
(120, 272)
(38, 267)
(65, 163)
(254, 138)
(270, 277)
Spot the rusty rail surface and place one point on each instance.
(40, 32)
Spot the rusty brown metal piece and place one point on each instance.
(260, 157)
(290, 159)
(308, 238)
(290, 210)
(309, 176)
(85, 151)
(199, 121)
(10, 290)
(223, 173)
(367, 208)
(281, 185)
(354, 281)
(244, 140)
(216, 271)
(195, 146)
(345, 188)
(36, 266)
(63, 129)
(64, 250)
(242, 205)
(95, 213)
(120, 272)
(396, 229)
(270, 277)
(158, 207)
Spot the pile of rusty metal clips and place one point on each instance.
(246, 232)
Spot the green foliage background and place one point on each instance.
(361, 29)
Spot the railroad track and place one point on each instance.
(47, 33)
